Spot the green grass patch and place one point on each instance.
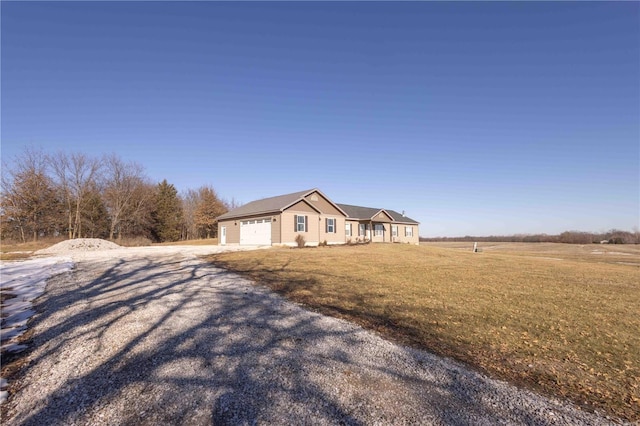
(560, 320)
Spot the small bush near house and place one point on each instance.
(300, 241)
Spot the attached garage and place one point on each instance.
(255, 232)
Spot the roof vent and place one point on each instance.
(402, 213)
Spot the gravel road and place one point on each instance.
(165, 338)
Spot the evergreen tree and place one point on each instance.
(167, 213)
(95, 218)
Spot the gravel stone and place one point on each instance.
(151, 337)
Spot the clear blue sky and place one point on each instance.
(474, 118)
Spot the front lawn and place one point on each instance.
(568, 327)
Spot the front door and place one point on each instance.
(223, 235)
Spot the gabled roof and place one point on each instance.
(266, 205)
(274, 204)
(367, 213)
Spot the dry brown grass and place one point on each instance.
(557, 318)
(11, 250)
(201, 242)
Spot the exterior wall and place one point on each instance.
(378, 238)
(337, 237)
(289, 233)
(322, 204)
(233, 228)
(415, 239)
(387, 234)
(233, 231)
(356, 238)
(316, 223)
(301, 206)
(276, 225)
(354, 231)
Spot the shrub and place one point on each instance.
(300, 241)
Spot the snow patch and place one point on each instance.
(20, 283)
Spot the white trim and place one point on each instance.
(303, 223)
(334, 225)
(406, 228)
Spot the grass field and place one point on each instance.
(562, 319)
(202, 242)
(16, 251)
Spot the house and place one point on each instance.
(279, 220)
(379, 225)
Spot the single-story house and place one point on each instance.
(279, 220)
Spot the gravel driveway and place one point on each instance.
(170, 339)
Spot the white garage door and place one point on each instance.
(255, 232)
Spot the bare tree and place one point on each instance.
(125, 194)
(95, 219)
(138, 217)
(29, 202)
(189, 205)
(76, 175)
(233, 204)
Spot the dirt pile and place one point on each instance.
(79, 244)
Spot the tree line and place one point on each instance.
(613, 236)
(73, 195)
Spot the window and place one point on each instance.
(300, 223)
(378, 229)
(330, 226)
(408, 231)
(394, 230)
(347, 229)
(361, 229)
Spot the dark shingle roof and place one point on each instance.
(266, 205)
(359, 212)
(280, 202)
(398, 217)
